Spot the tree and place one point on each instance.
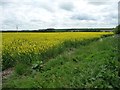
(117, 30)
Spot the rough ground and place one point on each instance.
(6, 72)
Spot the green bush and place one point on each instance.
(117, 30)
(22, 69)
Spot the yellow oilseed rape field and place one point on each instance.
(30, 47)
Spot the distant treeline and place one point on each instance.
(66, 30)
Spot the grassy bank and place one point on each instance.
(87, 65)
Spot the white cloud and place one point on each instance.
(35, 14)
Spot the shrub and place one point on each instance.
(117, 30)
(22, 69)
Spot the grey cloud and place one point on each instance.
(67, 6)
(34, 4)
(34, 20)
(37, 21)
(101, 2)
(8, 2)
(113, 18)
(82, 17)
(3, 3)
(12, 23)
(49, 6)
(98, 3)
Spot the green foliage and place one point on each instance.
(37, 66)
(7, 61)
(117, 30)
(22, 69)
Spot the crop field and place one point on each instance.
(31, 47)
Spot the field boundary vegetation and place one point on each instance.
(64, 30)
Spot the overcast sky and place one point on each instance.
(38, 14)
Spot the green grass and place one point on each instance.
(90, 65)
